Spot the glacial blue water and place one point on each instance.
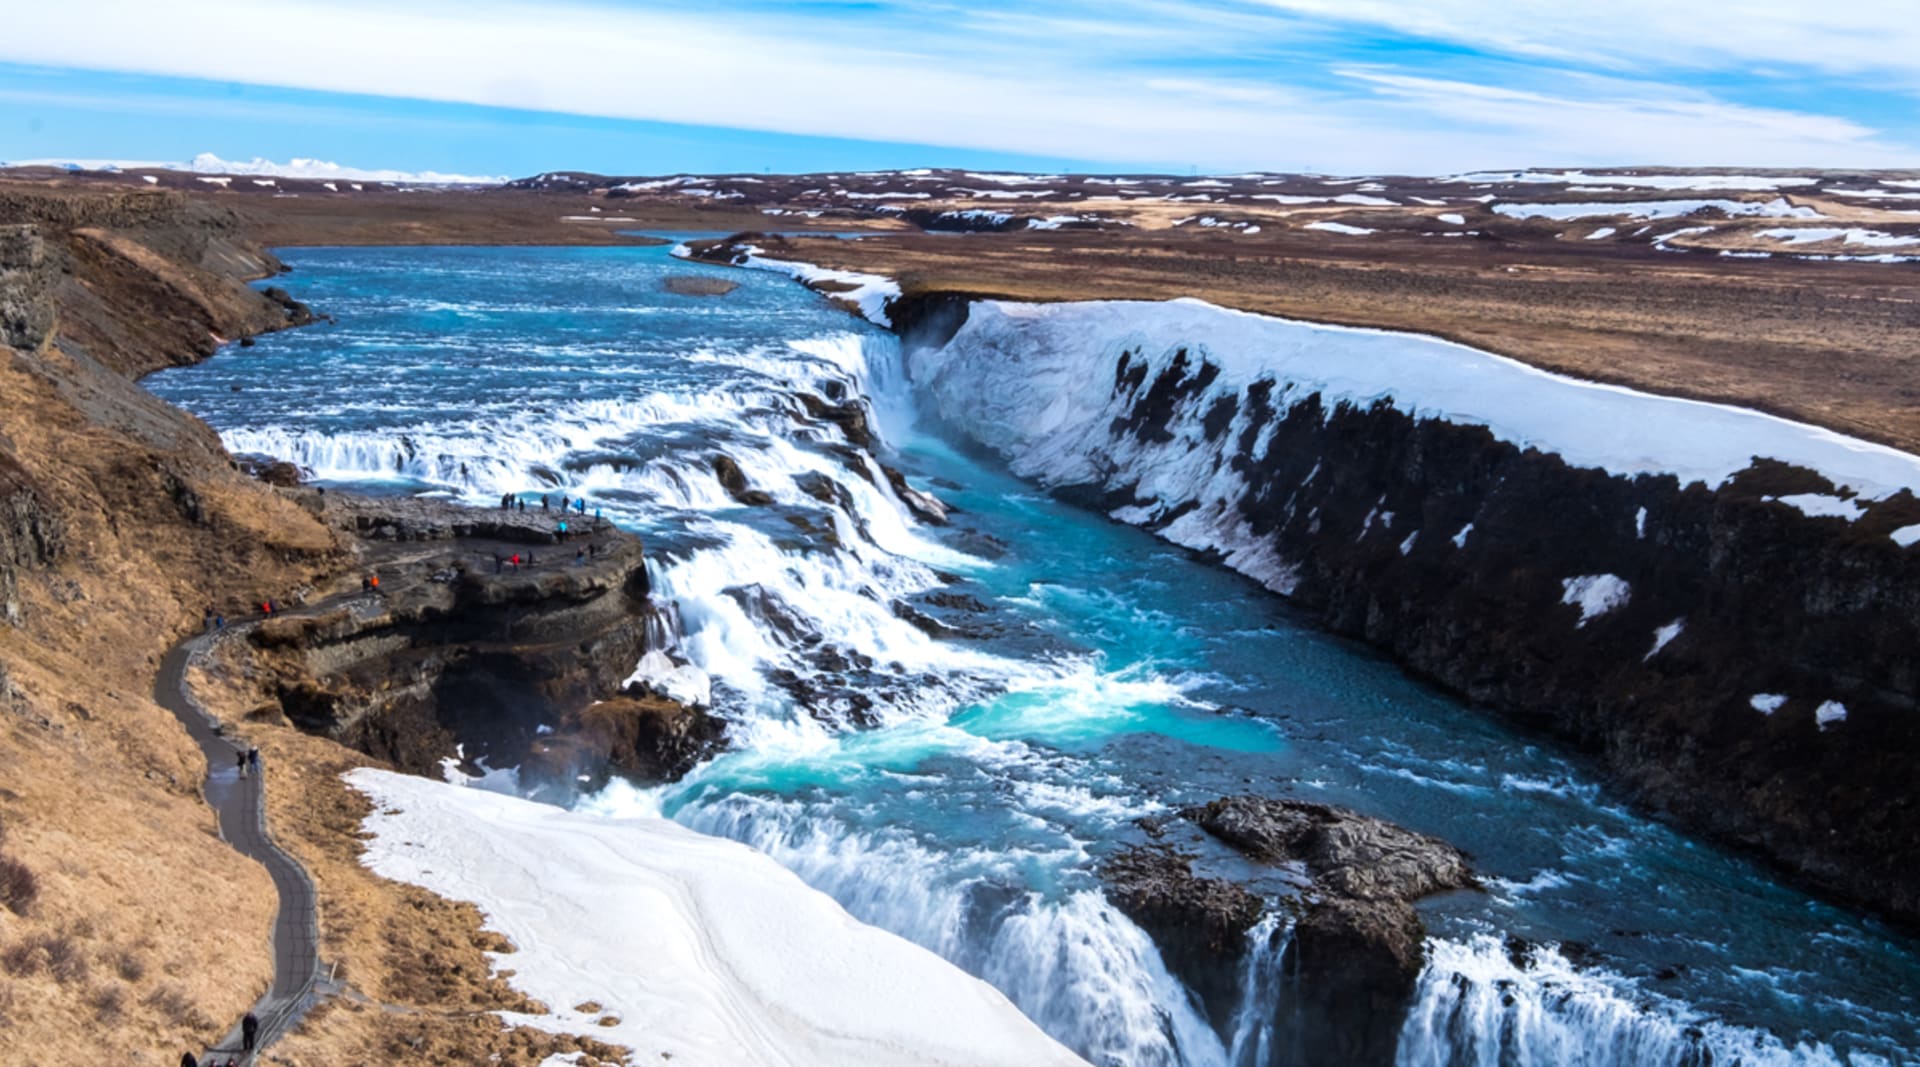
(1110, 677)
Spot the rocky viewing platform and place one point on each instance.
(486, 635)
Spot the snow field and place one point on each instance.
(702, 948)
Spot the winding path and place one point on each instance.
(240, 804)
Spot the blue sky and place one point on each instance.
(624, 86)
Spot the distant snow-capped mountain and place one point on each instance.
(208, 163)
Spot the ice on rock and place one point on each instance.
(1595, 594)
(704, 949)
(682, 683)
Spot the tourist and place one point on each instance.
(187, 1060)
(561, 531)
(580, 506)
(579, 557)
(529, 558)
(206, 619)
(506, 501)
(249, 1032)
(253, 759)
(219, 622)
(543, 502)
(499, 561)
(522, 504)
(515, 560)
(240, 761)
(563, 502)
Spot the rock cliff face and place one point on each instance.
(1728, 658)
(461, 650)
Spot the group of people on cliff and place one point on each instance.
(578, 505)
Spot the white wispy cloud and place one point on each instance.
(1856, 37)
(1062, 84)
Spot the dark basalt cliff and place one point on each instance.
(1452, 550)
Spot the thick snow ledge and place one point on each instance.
(1048, 369)
(704, 949)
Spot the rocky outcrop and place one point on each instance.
(1355, 948)
(30, 534)
(1357, 943)
(638, 735)
(1199, 923)
(460, 649)
(26, 288)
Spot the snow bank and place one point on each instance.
(1741, 182)
(705, 950)
(869, 292)
(1036, 381)
(1339, 227)
(1777, 208)
(1821, 506)
(1802, 235)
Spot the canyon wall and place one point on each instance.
(1726, 626)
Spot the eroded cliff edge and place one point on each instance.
(1737, 655)
(123, 520)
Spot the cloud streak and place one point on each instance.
(1225, 87)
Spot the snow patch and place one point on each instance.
(1595, 594)
(1460, 539)
(1452, 218)
(1339, 227)
(1821, 506)
(1767, 703)
(1906, 536)
(1830, 712)
(1664, 636)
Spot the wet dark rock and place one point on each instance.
(1356, 946)
(1346, 853)
(958, 602)
(638, 735)
(923, 505)
(735, 482)
(1200, 924)
(851, 417)
(298, 314)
